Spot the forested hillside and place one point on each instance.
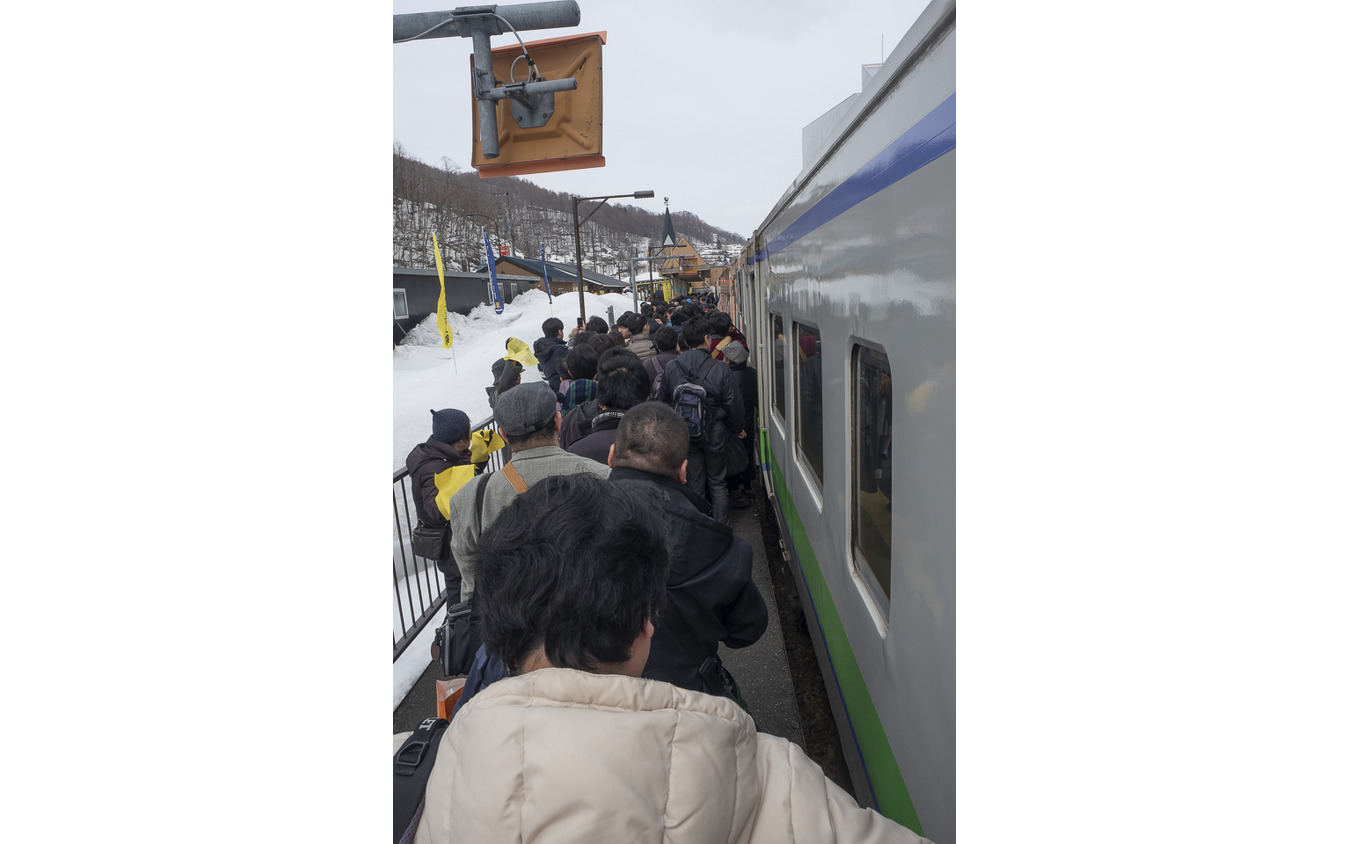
(444, 199)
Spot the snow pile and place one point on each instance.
(428, 377)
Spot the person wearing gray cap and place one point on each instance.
(527, 417)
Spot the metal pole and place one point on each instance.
(632, 282)
(458, 22)
(576, 232)
(482, 85)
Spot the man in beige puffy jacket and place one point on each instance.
(573, 746)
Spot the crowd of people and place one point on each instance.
(605, 575)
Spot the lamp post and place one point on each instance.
(576, 233)
(495, 228)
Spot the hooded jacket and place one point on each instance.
(557, 755)
(550, 350)
(710, 596)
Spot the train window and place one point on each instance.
(779, 357)
(810, 406)
(400, 303)
(872, 464)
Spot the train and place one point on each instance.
(847, 295)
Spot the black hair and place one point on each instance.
(575, 564)
(620, 380)
(581, 361)
(597, 325)
(664, 338)
(600, 342)
(695, 332)
(651, 437)
(720, 322)
(633, 322)
(552, 326)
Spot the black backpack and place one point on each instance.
(690, 400)
(412, 767)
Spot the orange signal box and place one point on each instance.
(571, 140)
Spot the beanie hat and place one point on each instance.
(449, 426)
(735, 353)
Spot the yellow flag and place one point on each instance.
(447, 336)
(483, 444)
(519, 351)
(448, 483)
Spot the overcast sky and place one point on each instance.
(704, 100)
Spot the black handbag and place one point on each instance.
(458, 639)
(433, 543)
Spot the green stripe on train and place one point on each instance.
(893, 799)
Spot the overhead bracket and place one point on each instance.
(532, 102)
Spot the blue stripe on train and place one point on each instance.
(929, 139)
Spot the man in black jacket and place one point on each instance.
(550, 349)
(725, 414)
(710, 597)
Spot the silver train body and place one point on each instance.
(847, 294)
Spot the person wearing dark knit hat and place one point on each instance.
(437, 469)
(527, 417)
(450, 425)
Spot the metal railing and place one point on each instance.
(419, 587)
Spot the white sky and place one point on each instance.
(704, 101)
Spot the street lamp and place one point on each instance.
(495, 227)
(576, 233)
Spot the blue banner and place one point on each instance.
(492, 271)
(544, 261)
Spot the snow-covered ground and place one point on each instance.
(428, 377)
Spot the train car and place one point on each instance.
(847, 293)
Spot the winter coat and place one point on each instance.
(533, 464)
(577, 422)
(505, 375)
(598, 436)
(710, 596)
(642, 346)
(550, 350)
(557, 755)
(433, 483)
(657, 364)
(724, 396)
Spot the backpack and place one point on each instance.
(412, 768)
(690, 400)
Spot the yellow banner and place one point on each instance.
(443, 323)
